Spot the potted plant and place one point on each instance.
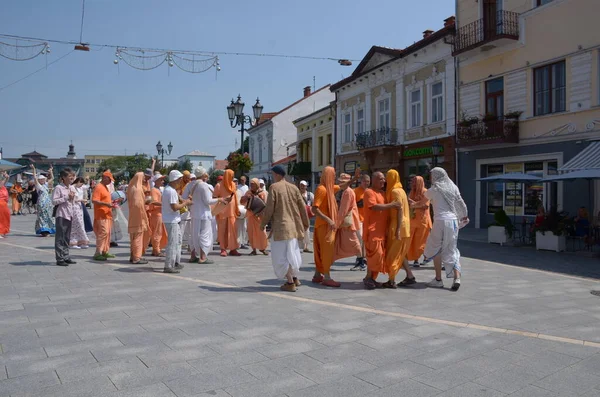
(514, 115)
(551, 235)
(500, 229)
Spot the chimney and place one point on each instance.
(427, 33)
(449, 21)
(306, 91)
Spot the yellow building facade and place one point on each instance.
(528, 100)
(314, 145)
(92, 162)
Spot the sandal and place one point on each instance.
(194, 260)
(407, 281)
(264, 252)
(318, 279)
(331, 283)
(223, 253)
(206, 262)
(389, 284)
(140, 261)
(253, 253)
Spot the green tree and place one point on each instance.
(240, 164)
(185, 166)
(124, 167)
(246, 146)
(212, 179)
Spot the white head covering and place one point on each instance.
(261, 181)
(199, 172)
(441, 183)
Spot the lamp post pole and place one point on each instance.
(237, 118)
(161, 151)
(435, 150)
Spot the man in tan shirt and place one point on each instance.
(287, 213)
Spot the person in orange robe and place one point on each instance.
(375, 229)
(359, 192)
(256, 235)
(347, 243)
(226, 219)
(15, 191)
(4, 211)
(103, 219)
(398, 238)
(157, 234)
(138, 218)
(326, 209)
(420, 221)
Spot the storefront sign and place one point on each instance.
(421, 152)
(513, 199)
(350, 167)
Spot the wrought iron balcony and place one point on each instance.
(482, 31)
(481, 132)
(376, 138)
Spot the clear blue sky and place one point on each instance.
(105, 109)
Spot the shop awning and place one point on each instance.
(588, 158)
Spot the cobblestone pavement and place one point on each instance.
(116, 329)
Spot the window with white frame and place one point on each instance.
(415, 103)
(348, 127)
(437, 102)
(360, 121)
(383, 110)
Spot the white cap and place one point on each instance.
(175, 175)
(261, 181)
(304, 183)
(41, 177)
(199, 171)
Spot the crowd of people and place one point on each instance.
(376, 222)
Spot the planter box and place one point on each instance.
(550, 242)
(497, 235)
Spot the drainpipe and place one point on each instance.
(456, 84)
(334, 140)
(455, 117)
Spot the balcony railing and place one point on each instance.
(380, 137)
(487, 132)
(475, 34)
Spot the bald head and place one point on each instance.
(378, 180)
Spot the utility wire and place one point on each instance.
(70, 42)
(37, 71)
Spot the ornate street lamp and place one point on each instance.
(435, 150)
(161, 151)
(237, 118)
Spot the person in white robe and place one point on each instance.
(202, 238)
(450, 215)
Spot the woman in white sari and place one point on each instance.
(450, 215)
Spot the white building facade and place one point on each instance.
(273, 140)
(198, 159)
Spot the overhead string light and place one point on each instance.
(143, 59)
(23, 52)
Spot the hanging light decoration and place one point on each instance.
(23, 52)
(191, 62)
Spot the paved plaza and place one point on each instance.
(116, 329)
